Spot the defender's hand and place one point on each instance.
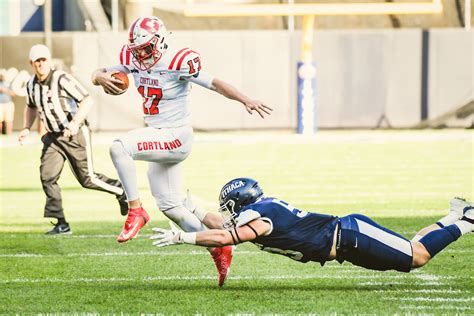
(167, 237)
(23, 135)
(259, 107)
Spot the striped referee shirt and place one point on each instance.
(56, 99)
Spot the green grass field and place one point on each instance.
(403, 179)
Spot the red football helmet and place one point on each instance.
(147, 41)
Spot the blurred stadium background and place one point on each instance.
(372, 71)
(398, 72)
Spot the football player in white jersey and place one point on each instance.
(163, 76)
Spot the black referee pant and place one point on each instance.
(77, 150)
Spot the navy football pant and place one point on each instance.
(365, 243)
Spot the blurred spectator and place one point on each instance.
(7, 108)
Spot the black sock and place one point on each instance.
(62, 221)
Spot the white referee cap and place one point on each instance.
(39, 51)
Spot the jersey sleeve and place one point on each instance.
(249, 215)
(125, 57)
(186, 62)
(72, 87)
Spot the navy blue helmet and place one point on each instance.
(235, 195)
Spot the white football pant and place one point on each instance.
(164, 149)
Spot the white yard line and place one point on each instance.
(429, 299)
(430, 308)
(407, 282)
(426, 291)
(206, 277)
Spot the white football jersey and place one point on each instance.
(165, 86)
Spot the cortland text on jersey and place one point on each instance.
(143, 146)
(149, 81)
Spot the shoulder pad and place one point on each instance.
(125, 56)
(185, 61)
(247, 216)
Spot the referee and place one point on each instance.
(62, 104)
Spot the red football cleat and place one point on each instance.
(222, 258)
(136, 219)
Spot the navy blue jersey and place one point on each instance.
(296, 234)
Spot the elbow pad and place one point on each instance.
(203, 79)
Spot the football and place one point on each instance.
(122, 77)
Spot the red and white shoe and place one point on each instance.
(222, 258)
(136, 219)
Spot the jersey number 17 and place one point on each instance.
(150, 93)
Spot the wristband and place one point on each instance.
(188, 238)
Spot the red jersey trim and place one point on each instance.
(182, 58)
(175, 57)
(125, 56)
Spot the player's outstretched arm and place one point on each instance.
(210, 238)
(233, 93)
(213, 221)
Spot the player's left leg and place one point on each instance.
(165, 185)
(365, 243)
(456, 207)
(437, 240)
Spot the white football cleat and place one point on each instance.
(457, 206)
(469, 216)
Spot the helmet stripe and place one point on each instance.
(175, 57)
(130, 35)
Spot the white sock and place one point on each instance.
(449, 219)
(464, 226)
(126, 169)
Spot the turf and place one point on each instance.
(402, 179)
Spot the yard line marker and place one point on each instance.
(428, 291)
(120, 254)
(204, 277)
(428, 299)
(332, 265)
(438, 307)
(407, 281)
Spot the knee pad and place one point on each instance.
(169, 201)
(185, 219)
(117, 149)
